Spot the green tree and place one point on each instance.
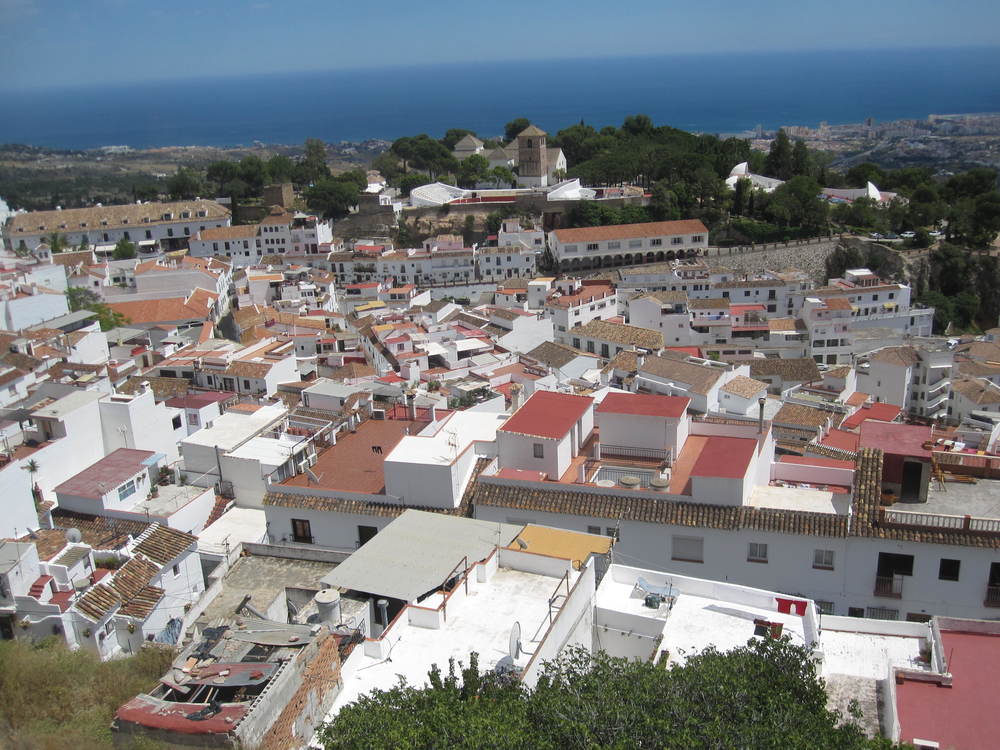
(861, 174)
(472, 170)
(387, 164)
(124, 250)
(280, 168)
(801, 161)
(765, 695)
(779, 158)
(184, 184)
(503, 177)
(412, 180)
(313, 167)
(81, 298)
(333, 198)
(57, 243)
(515, 126)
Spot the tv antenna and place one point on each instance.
(312, 475)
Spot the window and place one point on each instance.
(825, 608)
(176, 570)
(656, 242)
(635, 243)
(593, 529)
(614, 245)
(676, 240)
(855, 611)
(126, 490)
(177, 421)
(592, 246)
(688, 549)
(948, 569)
(538, 450)
(882, 613)
(823, 559)
(697, 238)
(301, 531)
(193, 418)
(604, 351)
(757, 552)
(576, 342)
(612, 531)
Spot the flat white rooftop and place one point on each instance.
(234, 526)
(697, 622)
(481, 622)
(800, 498)
(233, 428)
(868, 655)
(269, 451)
(170, 499)
(453, 435)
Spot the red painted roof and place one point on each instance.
(847, 441)
(879, 411)
(105, 475)
(390, 378)
(963, 715)
(547, 414)
(199, 400)
(832, 463)
(150, 712)
(644, 405)
(896, 439)
(726, 457)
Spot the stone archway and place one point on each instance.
(671, 255)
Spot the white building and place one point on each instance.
(626, 244)
(167, 225)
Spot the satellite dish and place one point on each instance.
(73, 536)
(514, 643)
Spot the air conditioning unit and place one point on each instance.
(378, 413)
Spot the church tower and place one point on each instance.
(532, 158)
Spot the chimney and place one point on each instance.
(760, 418)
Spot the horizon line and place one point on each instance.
(222, 77)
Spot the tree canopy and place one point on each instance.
(764, 695)
(81, 298)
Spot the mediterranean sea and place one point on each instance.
(714, 93)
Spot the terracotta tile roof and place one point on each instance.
(98, 601)
(554, 354)
(619, 333)
(128, 215)
(698, 378)
(522, 496)
(21, 361)
(352, 371)
(665, 297)
(163, 544)
(48, 542)
(802, 416)
(975, 369)
(167, 309)
(984, 351)
(798, 370)
(744, 386)
(243, 369)
(836, 303)
(708, 304)
(786, 325)
(901, 356)
(236, 232)
(163, 388)
(626, 361)
(978, 391)
(97, 531)
(749, 284)
(631, 231)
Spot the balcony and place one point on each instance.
(992, 597)
(890, 587)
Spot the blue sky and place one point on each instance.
(56, 43)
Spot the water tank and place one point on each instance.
(328, 607)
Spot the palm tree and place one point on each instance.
(32, 468)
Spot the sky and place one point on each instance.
(70, 43)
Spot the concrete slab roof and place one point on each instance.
(416, 553)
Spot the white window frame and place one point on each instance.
(820, 557)
(757, 552)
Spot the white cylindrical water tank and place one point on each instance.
(328, 606)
